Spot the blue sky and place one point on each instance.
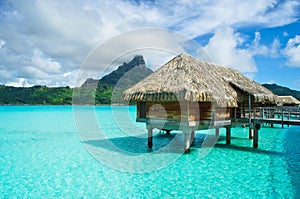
(45, 41)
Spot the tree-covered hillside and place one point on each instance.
(282, 91)
(35, 95)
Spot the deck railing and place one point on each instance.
(272, 115)
(271, 112)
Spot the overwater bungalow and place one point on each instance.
(287, 101)
(187, 94)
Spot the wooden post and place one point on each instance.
(234, 113)
(255, 138)
(192, 136)
(168, 132)
(261, 114)
(249, 107)
(250, 132)
(187, 140)
(282, 118)
(217, 132)
(228, 128)
(150, 137)
(289, 116)
(244, 111)
(241, 109)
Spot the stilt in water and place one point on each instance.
(255, 135)
(187, 140)
(282, 115)
(217, 132)
(228, 129)
(150, 137)
(255, 138)
(192, 136)
(250, 133)
(168, 132)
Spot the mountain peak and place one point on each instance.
(138, 60)
(113, 77)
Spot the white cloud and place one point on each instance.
(2, 43)
(4, 76)
(223, 49)
(292, 51)
(64, 32)
(275, 13)
(274, 51)
(20, 82)
(256, 48)
(227, 47)
(31, 72)
(45, 64)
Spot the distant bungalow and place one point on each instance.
(187, 94)
(287, 101)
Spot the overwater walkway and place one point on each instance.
(256, 117)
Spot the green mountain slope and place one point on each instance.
(137, 67)
(282, 91)
(111, 86)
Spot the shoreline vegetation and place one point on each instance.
(57, 96)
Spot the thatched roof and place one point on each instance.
(286, 100)
(186, 79)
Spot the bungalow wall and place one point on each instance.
(181, 111)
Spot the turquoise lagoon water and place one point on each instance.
(41, 155)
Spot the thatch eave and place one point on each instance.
(186, 79)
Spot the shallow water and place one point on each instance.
(42, 155)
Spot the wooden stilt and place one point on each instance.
(150, 137)
(289, 116)
(168, 132)
(217, 132)
(255, 138)
(187, 140)
(192, 136)
(249, 109)
(272, 125)
(234, 113)
(282, 118)
(228, 129)
(250, 133)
